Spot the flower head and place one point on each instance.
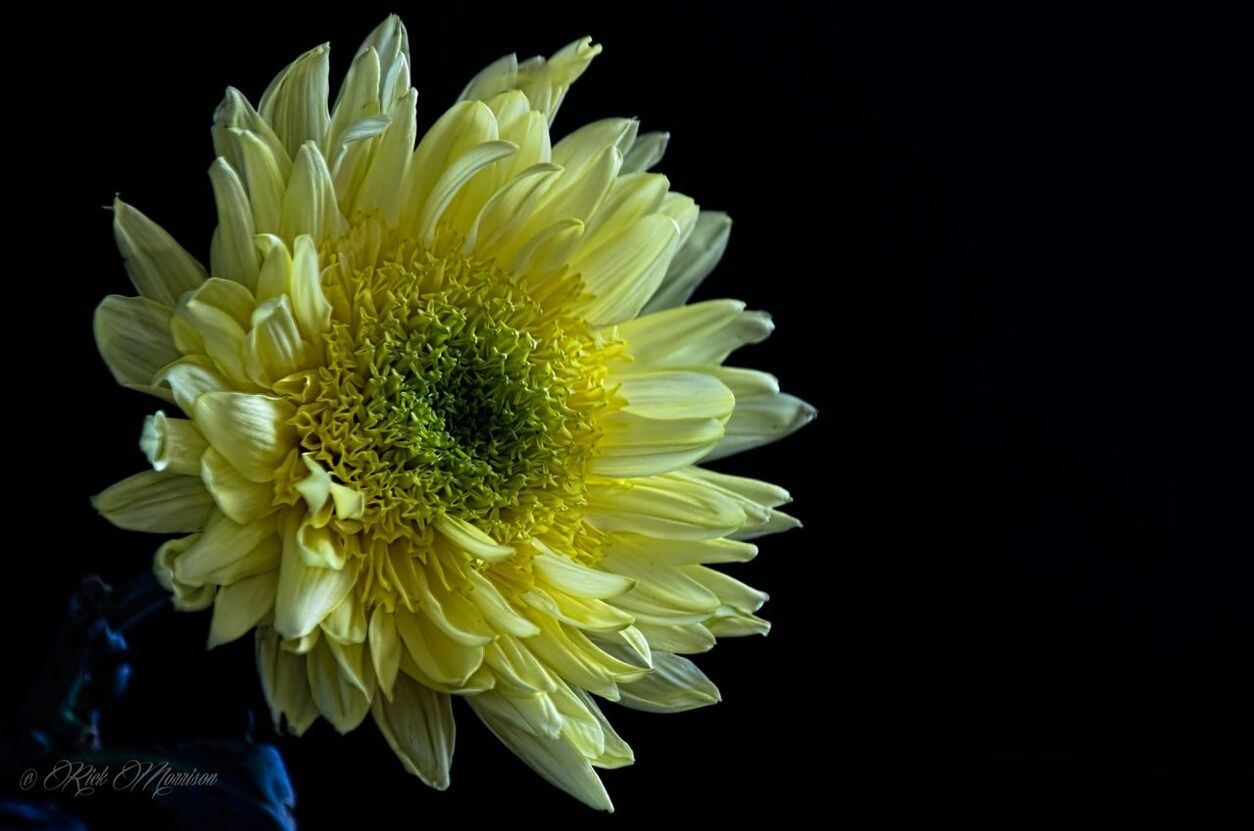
(441, 412)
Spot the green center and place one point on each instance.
(454, 392)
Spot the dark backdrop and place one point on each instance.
(993, 249)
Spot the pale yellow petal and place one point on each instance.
(133, 336)
(419, 727)
(339, 700)
(273, 348)
(346, 624)
(465, 125)
(172, 444)
(544, 82)
(633, 447)
(554, 759)
(390, 41)
(674, 395)
(663, 506)
(441, 659)
(697, 335)
(675, 685)
(645, 152)
(383, 187)
(358, 98)
(285, 682)
(684, 638)
(659, 585)
(761, 420)
(266, 180)
(190, 377)
(155, 501)
(234, 118)
(240, 606)
(471, 540)
(581, 146)
(570, 577)
(450, 612)
(309, 204)
(516, 668)
(624, 272)
(306, 594)
(458, 173)
(228, 551)
(295, 103)
(252, 431)
(238, 497)
(216, 315)
(159, 267)
(385, 648)
(186, 598)
(309, 304)
(319, 548)
(232, 254)
(693, 262)
(496, 609)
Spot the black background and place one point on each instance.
(994, 247)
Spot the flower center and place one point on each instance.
(453, 391)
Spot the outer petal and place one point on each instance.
(554, 759)
(285, 683)
(674, 685)
(133, 336)
(543, 82)
(763, 414)
(240, 606)
(694, 262)
(295, 103)
(159, 267)
(418, 725)
(698, 335)
(172, 444)
(160, 502)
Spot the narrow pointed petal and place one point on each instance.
(675, 685)
(233, 254)
(285, 683)
(664, 506)
(762, 420)
(310, 205)
(309, 304)
(240, 606)
(694, 261)
(623, 273)
(339, 700)
(471, 540)
(133, 336)
(419, 727)
(554, 759)
(697, 335)
(158, 502)
(646, 151)
(385, 648)
(295, 103)
(159, 267)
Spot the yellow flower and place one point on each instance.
(441, 412)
